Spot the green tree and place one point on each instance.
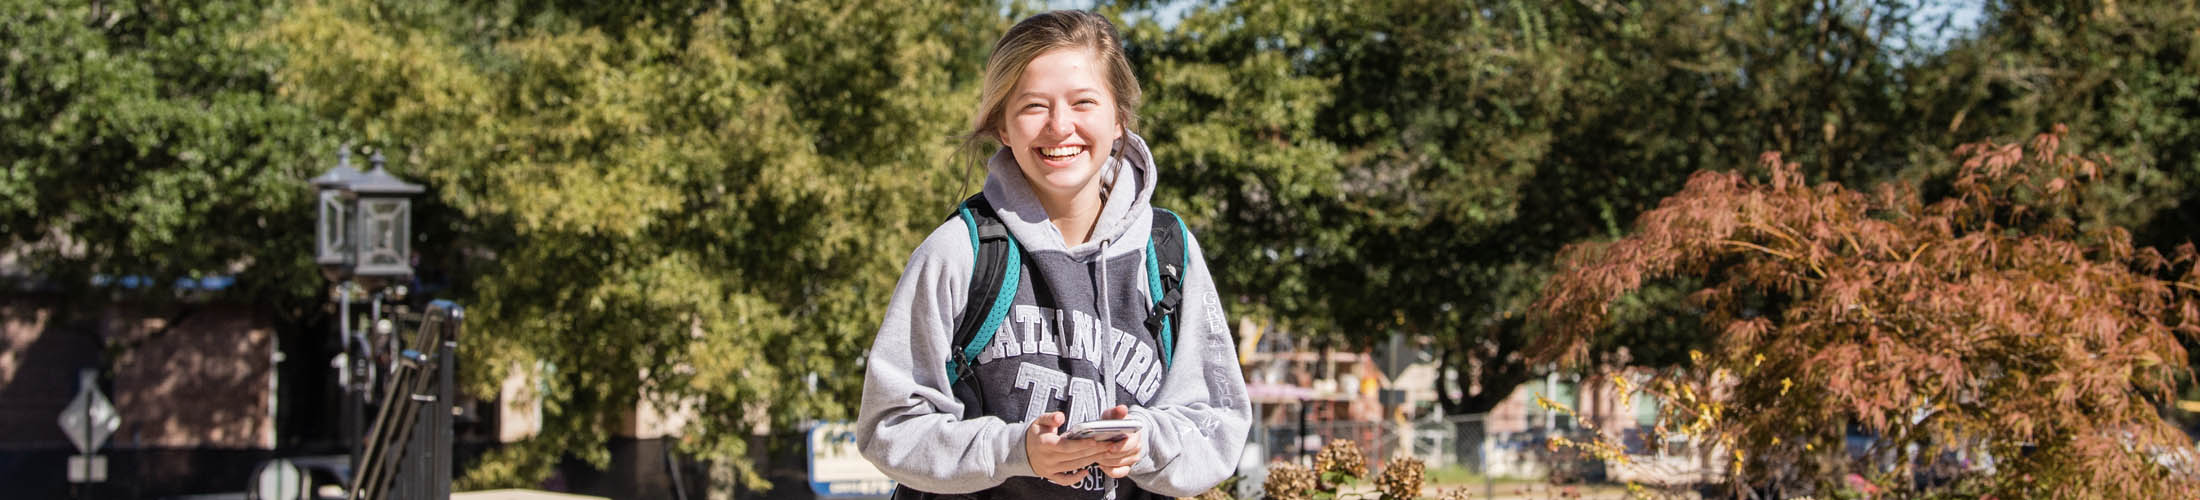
(142, 139)
(2120, 74)
(699, 205)
(141, 146)
(1233, 123)
(1410, 166)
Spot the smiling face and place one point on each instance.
(1060, 121)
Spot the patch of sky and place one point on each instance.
(1163, 12)
(1932, 24)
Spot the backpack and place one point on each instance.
(999, 272)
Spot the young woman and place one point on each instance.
(1072, 186)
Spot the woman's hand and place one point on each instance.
(1061, 461)
(1117, 457)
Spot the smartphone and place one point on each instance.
(1104, 430)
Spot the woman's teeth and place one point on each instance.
(1061, 152)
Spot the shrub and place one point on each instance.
(1340, 464)
(1401, 479)
(1996, 320)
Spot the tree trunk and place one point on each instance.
(1498, 375)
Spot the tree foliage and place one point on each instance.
(1985, 321)
(690, 205)
(1233, 126)
(1366, 168)
(2120, 74)
(140, 139)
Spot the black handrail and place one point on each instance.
(410, 442)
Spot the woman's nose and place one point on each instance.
(1061, 125)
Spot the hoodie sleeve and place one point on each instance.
(1197, 423)
(910, 423)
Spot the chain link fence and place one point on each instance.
(1466, 443)
(1461, 440)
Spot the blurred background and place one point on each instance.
(673, 226)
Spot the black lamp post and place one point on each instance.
(382, 253)
(362, 241)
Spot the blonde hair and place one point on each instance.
(1035, 36)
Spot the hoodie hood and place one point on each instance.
(1125, 215)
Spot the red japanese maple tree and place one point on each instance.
(1990, 336)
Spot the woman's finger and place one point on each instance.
(1118, 460)
(1067, 458)
(1067, 454)
(1132, 445)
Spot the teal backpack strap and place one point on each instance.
(996, 273)
(1166, 263)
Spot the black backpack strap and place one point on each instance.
(1166, 263)
(995, 275)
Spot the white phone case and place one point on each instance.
(1104, 430)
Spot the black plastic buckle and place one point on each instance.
(963, 366)
(1169, 300)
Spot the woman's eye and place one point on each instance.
(1088, 102)
(1034, 107)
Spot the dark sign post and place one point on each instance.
(88, 421)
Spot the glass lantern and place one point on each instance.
(332, 242)
(383, 224)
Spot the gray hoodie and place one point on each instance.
(1076, 326)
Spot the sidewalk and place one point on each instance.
(1510, 491)
(463, 495)
(518, 495)
(1532, 491)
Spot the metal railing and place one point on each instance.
(408, 450)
